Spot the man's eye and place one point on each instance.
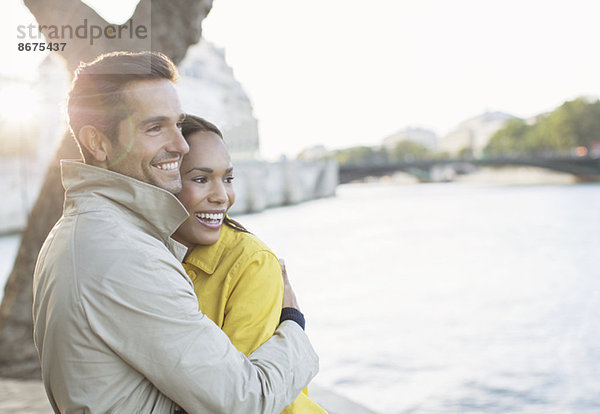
(200, 180)
(154, 128)
(229, 179)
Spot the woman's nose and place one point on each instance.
(218, 194)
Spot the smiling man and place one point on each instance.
(116, 320)
(149, 146)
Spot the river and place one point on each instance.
(447, 298)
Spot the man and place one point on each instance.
(116, 321)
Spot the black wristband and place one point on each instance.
(292, 314)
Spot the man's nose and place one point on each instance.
(177, 143)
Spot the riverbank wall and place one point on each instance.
(258, 184)
(261, 185)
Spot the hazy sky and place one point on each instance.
(348, 72)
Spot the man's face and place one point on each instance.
(150, 146)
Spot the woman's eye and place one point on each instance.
(200, 180)
(229, 179)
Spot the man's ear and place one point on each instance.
(96, 144)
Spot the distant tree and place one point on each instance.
(440, 155)
(508, 140)
(175, 26)
(358, 156)
(589, 127)
(381, 155)
(465, 153)
(574, 123)
(408, 150)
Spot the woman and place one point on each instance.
(236, 277)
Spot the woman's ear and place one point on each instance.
(96, 144)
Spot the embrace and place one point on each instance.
(148, 297)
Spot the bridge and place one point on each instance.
(586, 168)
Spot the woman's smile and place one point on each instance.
(207, 189)
(211, 219)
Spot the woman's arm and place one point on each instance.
(253, 309)
(253, 306)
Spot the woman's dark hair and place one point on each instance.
(96, 97)
(192, 124)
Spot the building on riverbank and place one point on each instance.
(207, 88)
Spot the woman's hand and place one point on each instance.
(289, 297)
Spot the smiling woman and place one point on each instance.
(19, 107)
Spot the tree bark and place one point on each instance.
(173, 27)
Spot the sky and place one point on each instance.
(341, 73)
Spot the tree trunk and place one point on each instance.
(172, 27)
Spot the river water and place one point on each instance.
(447, 298)
(450, 298)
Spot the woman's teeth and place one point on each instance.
(216, 217)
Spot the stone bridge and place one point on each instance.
(586, 168)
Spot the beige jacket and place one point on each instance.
(116, 320)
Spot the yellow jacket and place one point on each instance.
(239, 286)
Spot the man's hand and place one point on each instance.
(289, 297)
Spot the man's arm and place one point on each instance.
(149, 317)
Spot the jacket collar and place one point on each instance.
(155, 209)
(207, 258)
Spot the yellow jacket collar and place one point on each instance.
(207, 258)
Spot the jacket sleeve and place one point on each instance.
(144, 308)
(254, 301)
(253, 309)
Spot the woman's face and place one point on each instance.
(207, 190)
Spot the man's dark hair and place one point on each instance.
(96, 97)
